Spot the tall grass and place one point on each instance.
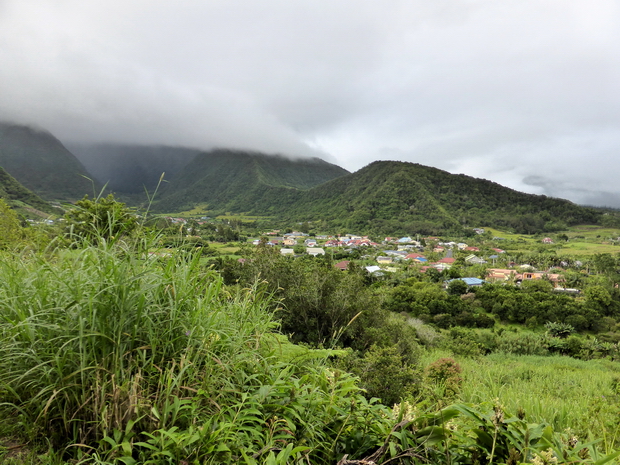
(577, 395)
(94, 340)
(116, 357)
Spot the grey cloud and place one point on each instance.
(500, 90)
(585, 194)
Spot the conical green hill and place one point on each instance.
(394, 197)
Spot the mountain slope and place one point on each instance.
(129, 169)
(243, 181)
(22, 199)
(41, 163)
(388, 196)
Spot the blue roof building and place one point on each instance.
(470, 281)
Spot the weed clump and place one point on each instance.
(447, 373)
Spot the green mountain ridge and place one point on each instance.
(42, 163)
(400, 197)
(234, 180)
(388, 197)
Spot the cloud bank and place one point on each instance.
(523, 92)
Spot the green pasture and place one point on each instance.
(199, 209)
(242, 217)
(582, 240)
(588, 248)
(570, 394)
(203, 210)
(225, 249)
(592, 231)
(511, 236)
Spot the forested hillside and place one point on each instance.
(384, 197)
(398, 197)
(242, 181)
(42, 163)
(20, 198)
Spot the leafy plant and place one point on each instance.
(561, 330)
(100, 219)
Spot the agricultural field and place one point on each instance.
(243, 217)
(577, 241)
(226, 249)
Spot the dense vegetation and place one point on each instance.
(397, 198)
(116, 347)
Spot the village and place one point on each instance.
(393, 254)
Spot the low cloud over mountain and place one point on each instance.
(500, 90)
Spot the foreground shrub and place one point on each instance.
(447, 373)
(95, 340)
(384, 374)
(523, 344)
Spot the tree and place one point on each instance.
(604, 263)
(320, 305)
(100, 219)
(537, 285)
(457, 287)
(599, 299)
(384, 374)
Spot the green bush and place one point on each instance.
(457, 287)
(561, 330)
(462, 342)
(384, 374)
(102, 219)
(447, 373)
(523, 344)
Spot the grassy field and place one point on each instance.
(583, 396)
(243, 217)
(510, 236)
(583, 240)
(225, 249)
(200, 209)
(588, 248)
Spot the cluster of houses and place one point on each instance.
(408, 251)
(176, 220)
(299, 238)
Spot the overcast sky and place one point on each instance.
(522, 92)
